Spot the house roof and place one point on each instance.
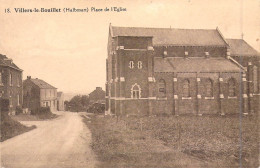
(172, 36)
(239, 47)
(42, 84)
(198, 64)
(4, 61)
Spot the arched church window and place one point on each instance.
(162, 88)
(186, 88)
(209, 88)
(232, 87)
(135, 91)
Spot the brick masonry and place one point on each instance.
(123, 73)
(11, 89)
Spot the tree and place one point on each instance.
(75, 104)
(85, 100)
(78, 103)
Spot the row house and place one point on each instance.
(38, 93)
(11, 87)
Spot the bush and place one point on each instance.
(4, 105)
(18, 110)
(97, 108)
(41, 111)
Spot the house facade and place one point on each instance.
(60, 101)
(11, 87)
(38, 93)
(98, 95)
(152, 71)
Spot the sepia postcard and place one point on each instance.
(129, 84)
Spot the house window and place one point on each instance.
(10, 102)
(135, 91)
(11, 79)
(18, 80)
(1, 80)
(231, 87)
(131, 64)
(139, 64)
(18, 99)
(255, 79)
(162, 88)
(186, 88)
(208, 88)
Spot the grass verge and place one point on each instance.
(36, 117)
(11, 128)
(168, 141)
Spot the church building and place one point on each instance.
(153, 71)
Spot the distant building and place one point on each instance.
(98, 95)
(60, 101)
(11, 86)
(38, 93)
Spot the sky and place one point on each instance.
(69, 50)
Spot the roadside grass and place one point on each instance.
(10, 128)
(36, 117)
(170, 141)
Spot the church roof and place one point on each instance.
(198, 64)
(42, 84)
(172, 36)
(239, 47)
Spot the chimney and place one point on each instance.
(9, 61)
(28, 77)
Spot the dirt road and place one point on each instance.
(63, 142)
